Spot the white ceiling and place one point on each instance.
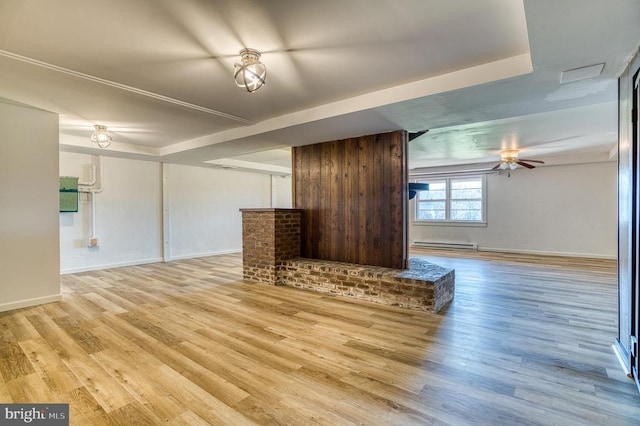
(480, 76)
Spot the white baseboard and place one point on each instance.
(110, 265)
(26, 303)
(445, 245)
(196, 255)
(144, 262)
(549, 253)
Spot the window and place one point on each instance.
(452, 199)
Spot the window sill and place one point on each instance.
(450, 223)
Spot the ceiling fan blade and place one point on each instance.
(532, 161)
(496, 167)
(415, 135)
(528, 166)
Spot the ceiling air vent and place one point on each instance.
(582, 73)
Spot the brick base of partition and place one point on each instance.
(269, 237)
(271, 250)
(424, 286)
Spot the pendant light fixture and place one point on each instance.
(251, 74)
(101, 137)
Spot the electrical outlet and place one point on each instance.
(93, 242)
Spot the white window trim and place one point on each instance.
(471, 223)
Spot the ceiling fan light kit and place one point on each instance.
(251, 74)
(101, 137)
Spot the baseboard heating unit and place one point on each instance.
(445, 245)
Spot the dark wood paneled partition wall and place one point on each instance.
(353, 192)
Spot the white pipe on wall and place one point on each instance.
(92, 177)
(93, 190)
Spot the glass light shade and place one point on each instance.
(101, 137)
(251, 74)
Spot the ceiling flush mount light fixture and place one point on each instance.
(251, 74)
(101, 137)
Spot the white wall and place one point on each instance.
(567, 210)
(29, 203)
(128, 215)
(281, 192)
(204, 208)
(202, 212)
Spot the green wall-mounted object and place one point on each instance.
(68, 194)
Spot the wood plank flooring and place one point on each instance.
(526, 341)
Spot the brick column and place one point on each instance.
(269, 237)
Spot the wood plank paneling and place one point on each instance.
(352, 188)
(336, 218)
(302, 163)
(353, 192)
(363, 201)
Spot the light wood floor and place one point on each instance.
(527, 340)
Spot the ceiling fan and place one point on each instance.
(509, 161)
